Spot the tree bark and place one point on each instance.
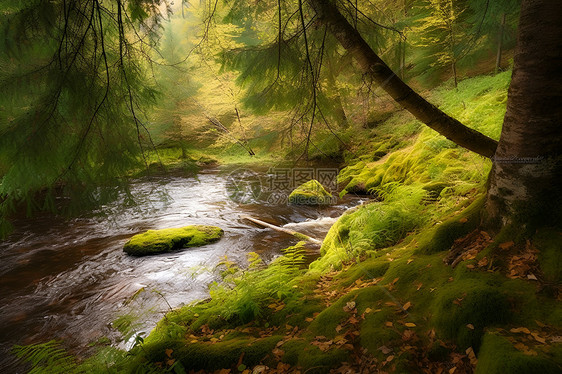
(525, 182)
(372, 65)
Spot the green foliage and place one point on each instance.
(243, 295)
(453, 34)
(73, 81)
(47, 358)
(441, 31)
(478, 102)
(373, 226)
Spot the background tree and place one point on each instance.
(442, 32)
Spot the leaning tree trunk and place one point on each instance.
(525, 182)
(372, 65)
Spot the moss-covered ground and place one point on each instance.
(387, 294)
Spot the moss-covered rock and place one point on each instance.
(310, 193)
(168, 240)
(498, 355)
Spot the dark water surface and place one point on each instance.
(69, 279)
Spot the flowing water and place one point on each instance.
(69, 279)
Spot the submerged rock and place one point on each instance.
(310, 193)
(168, 240)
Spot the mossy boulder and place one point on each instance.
(310, 193)
(168, 240)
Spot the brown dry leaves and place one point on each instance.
(325, 287)
(523, 264)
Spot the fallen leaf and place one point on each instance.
(531, 277)
(506, 245)
(338, 328)
(410, 260)
(368, 310)
(471, 356)
(340, 339)
(410, 324)
(388, 324)
(458, 301)
(407, 305)
(540, 324)
(519, 330)
(384, 349)
(349, 306)
(169, 352)
(463, 220)
(483, 262)
(470, 326)
(407, 335)
(309, 319)
(538, 338)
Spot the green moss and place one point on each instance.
(471, 301)
(442, 237)
(311, 358)
(325, 323)
(310, 193)
(549, 243)
(498, 356)
(208, 355)
(167, 240)
(368, 269)
(374, 332)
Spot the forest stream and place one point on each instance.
(69, 279)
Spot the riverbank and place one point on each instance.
(380, 298)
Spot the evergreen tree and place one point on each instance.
(74, 91)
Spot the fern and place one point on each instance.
(47, 358)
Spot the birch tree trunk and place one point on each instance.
(525, 182)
